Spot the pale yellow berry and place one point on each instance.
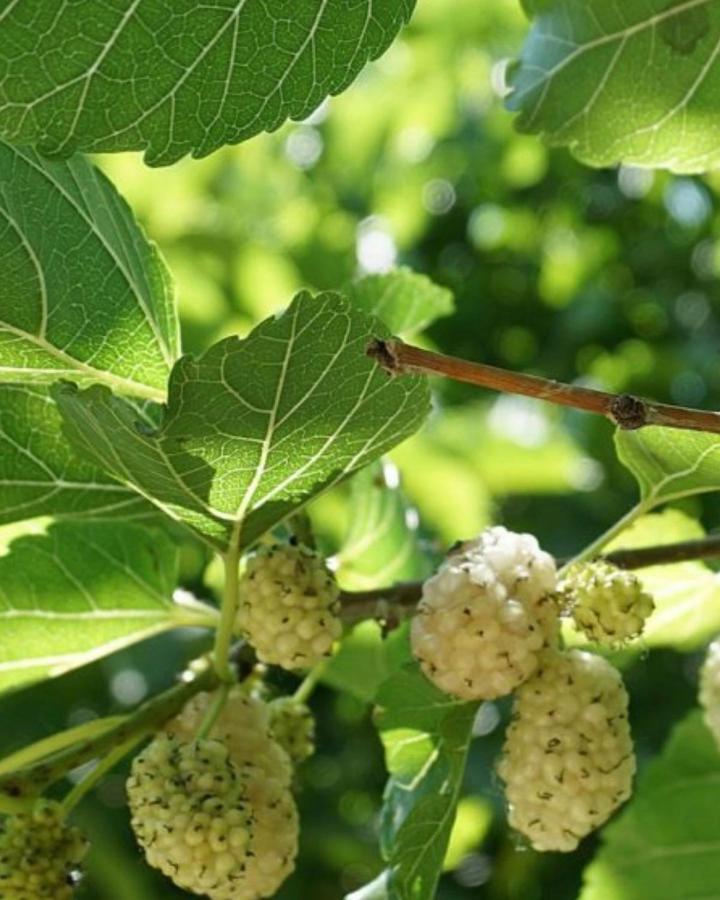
(40, 855)
(485, 616)
(568, 758)
(293, 727)
(710, 689)
(608, 604)
(289, 607)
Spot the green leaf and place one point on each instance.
(40, 474)
(669, 463)
(84, 296)
(426, 735)
(634, 82)
(178, 77)
(257, 427)
(84, 590)
(381, 546)
(405, 301)
(665, 843)
(366, 659)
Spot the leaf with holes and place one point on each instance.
(82, 591)
(84, 295)
(255, 428)
(633, 82)
(40, 474)
(405, 301)
(670, 464)
(173, 77)
(426, 735)
(664, 844)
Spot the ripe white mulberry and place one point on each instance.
(293, 727)
(485, 616)
(568, 758)
(40, 855)
(289, 606)
(608, 604)
(243, 727)
(710, 689)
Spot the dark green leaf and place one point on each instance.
(426, 735)
(173, 77)
(665, 843)
(255, 428)
(84, 295)
(405, 301)
(82, 591)
(628, 82)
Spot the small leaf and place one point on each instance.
(84, 296)
(377, 889)
(405, 301)
(426, 735)
(381, 546)
(257, 427)
(181, 77)
(365, 659)
(632, 82)
(40, 474)
(669, 463)
(665, 843)
(82, 591)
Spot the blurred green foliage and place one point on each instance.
(609, 277)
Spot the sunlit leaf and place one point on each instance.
(84, 294)
(633, 82)
(366, 659)
(664, 844)
(255, 428)
(178, 77)
(405, 301)
(82, 591)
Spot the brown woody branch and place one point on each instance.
(395, 603)
(624, 410)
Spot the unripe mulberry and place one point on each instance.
(40, 855)
(485, 616)
(193, 815)
(710, 689)
(293, 727)
(289, 606)
(608, 604)
(243, 727)
(568, 758)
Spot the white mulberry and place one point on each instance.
(485, 616)
(293, 727)
(710, 689)
(40, 855)
(289, 606)
(243, 727)
(568, 758)
(608, 604)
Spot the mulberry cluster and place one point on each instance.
(244, 728)
(293, 727)
(568, 758)
(486, 615)
(710, 689)
(40, 855)
(289, 606)
(608, 604)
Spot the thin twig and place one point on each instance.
(625, 410)
(399, 600)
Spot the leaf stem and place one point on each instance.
(625, 410)
(309, 683)
(228, 613)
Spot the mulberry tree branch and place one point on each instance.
(624, 410)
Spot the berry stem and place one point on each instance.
(105, 765)
(228, 614)
(215, 707)
(310, 682)
(624, 410)
(594, 547)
